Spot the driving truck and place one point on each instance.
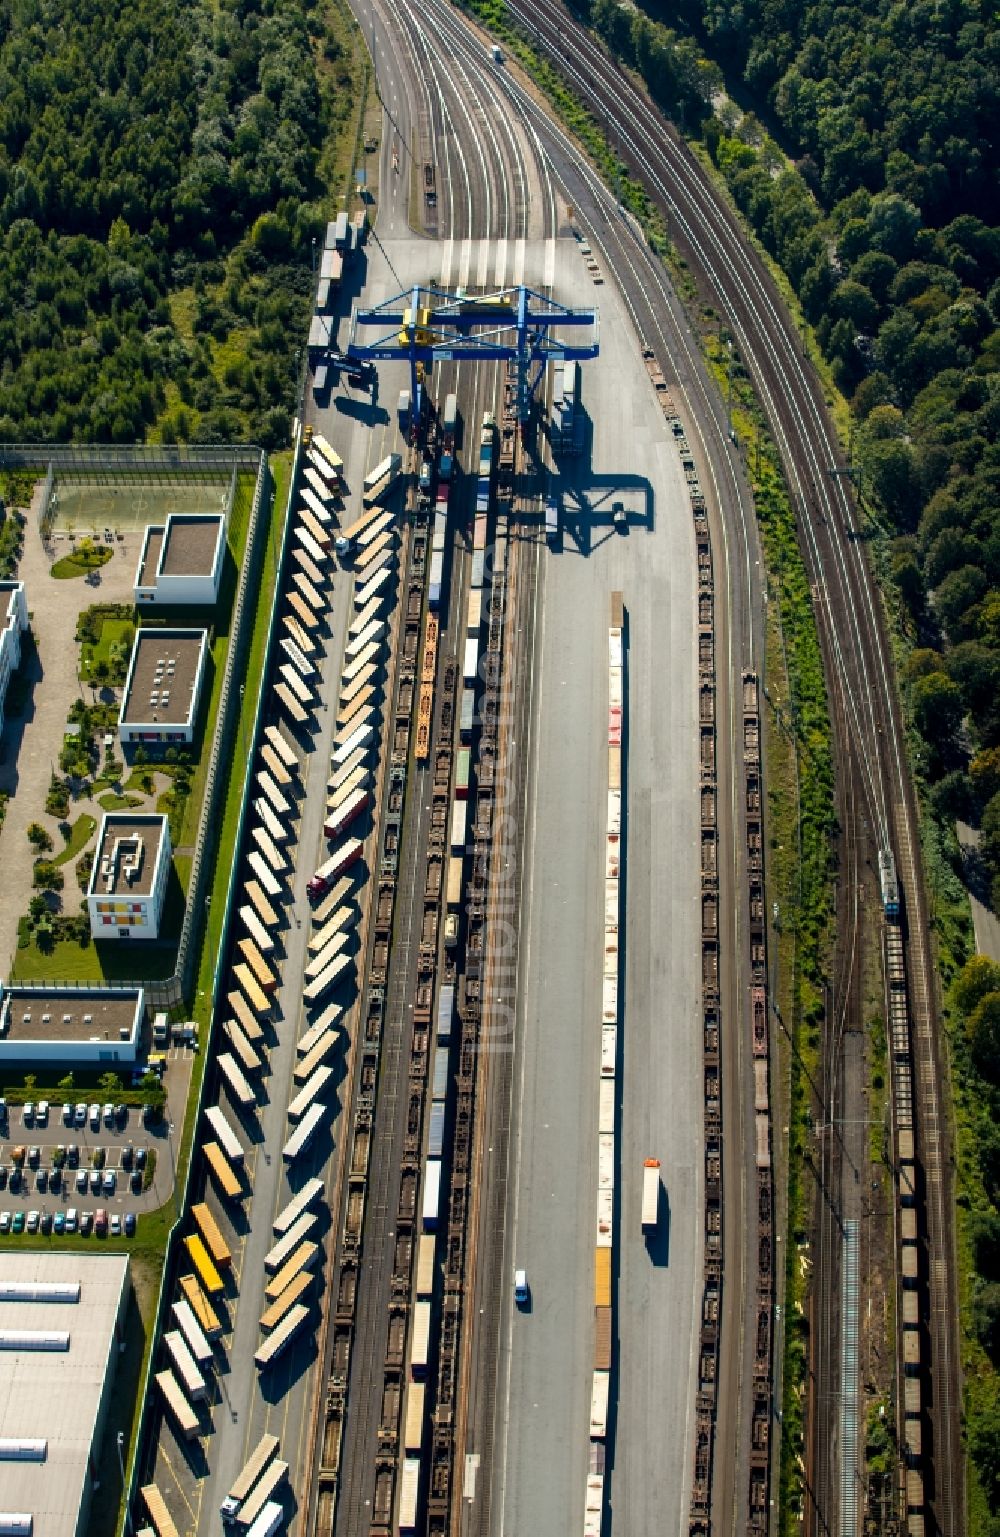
(650, 1192)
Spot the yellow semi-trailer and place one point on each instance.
(317, 1054)
(223, 1173)
(200, 1306)
(307, 617)
(295, 1293)
(158, 1512)
(261, 906)
(211, 1235)
(303, 1259)
(274, 766)
(210, 1279)
(244, 1015)
(248, 1059)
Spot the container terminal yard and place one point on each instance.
(487, 1237)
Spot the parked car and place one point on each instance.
(128, 1154)
(29, 1113)
(135, 1181)
(67, 1115)
(116, 1225)
(95, 1117)
(80, 1115)
(5, 1221)
(101, 1222)
(59, 1222)
(99, 1158)
(130, 1224)
(55, 1180)
(42, 1113)
(86, 1222)
(34, 1156)
(41, 1180)
(46, 1222)
(110, 1181)
(95, 1181)
(109, 1115)
(121, 1116)
(15, 1178)
(3, 1175)
(521, 1289)
(34, 1219)
(72, 1219)
(73, 1156)
(140, 1157)
(82, 1181)
(17, 1226)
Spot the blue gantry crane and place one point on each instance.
(429, 325)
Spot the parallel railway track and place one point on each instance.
(707, 233)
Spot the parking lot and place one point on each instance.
(63, 1162)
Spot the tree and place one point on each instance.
(984, 771)
(110, 1083)
(957, 597)
(937, 709)
(39, 838)
(983, 1027)
(986, 1319)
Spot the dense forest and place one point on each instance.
(859, 140)
(159, 190)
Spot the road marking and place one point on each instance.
(550, 263)
(501, 267)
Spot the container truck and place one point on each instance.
(551, 519)
(338, 862)
(650, 1192)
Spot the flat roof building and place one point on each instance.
(181, 560)
(128, 883)
(75, 1025)
(163, 686)
(54, 1402)
(13, 623)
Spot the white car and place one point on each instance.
(42, 1113)
(95, 1117)
(522, 1291)
(72, 1220)
(5, 1221)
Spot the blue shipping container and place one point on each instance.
(446, 1008)
(441, 1072)
(435, 1138)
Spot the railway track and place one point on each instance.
(707, 233)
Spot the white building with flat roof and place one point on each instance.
(13, 623)
(78, 1026)
(181, 560)
(62, 1321)
(163, 687)
(128, 884)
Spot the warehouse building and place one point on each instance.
(70, 1026)
(13, 623)
(181, 561)
(62, 1323)
(128, 884)
(163, 687)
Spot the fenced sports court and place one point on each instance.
(83, 504)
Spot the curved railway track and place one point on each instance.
(707, 233)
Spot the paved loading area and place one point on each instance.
(545, 1376)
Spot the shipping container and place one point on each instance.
(222, 1171)
(259, 932)
(302, 1228)
(362, 736)
(244, 1015)
(599, 1406)
(263, 1492)
(316, 1055)
(334, 947)
(307, 1095)
(211, 1281)
(255, 994)
(211, 1235)
(413, 1430)
(310, 1192)
(176, 1401)
(267, 978)
(197, 1300)
(381, 479)
(293, 1293)
(442, 1072)
(420, 1334)
(431, 1194)
(455, 881)
(468, 713)
(279, 832)
(435, 1136)
(237, 1085)
(194, 1335)
(380, 582)
(290, 704)
(185, 1366)
(158, 1512)
(650, 1192)
(425, 1264)
(470, 667)
(304, 1132)
(409, 1494)
(602, 1334)
(602, 1277)
(304, 1258)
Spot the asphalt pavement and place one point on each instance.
(546, 1374)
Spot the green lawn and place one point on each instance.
(113, 633)
(81, 561)
(80, 834)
